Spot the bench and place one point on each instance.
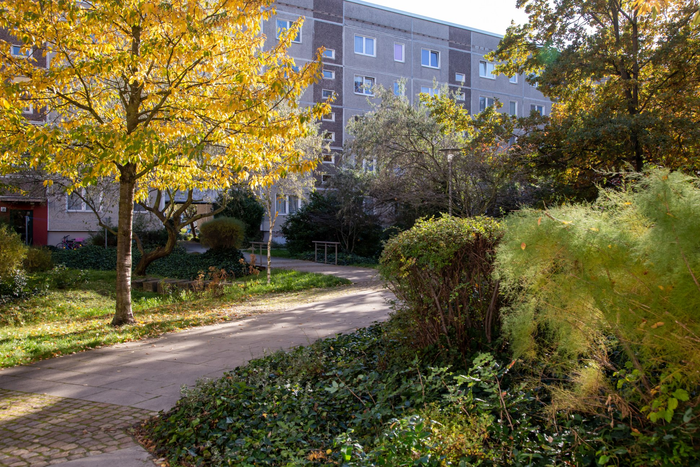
(325, 245)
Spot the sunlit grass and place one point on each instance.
(67, 321)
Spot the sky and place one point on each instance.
(487, 15)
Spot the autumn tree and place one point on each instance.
(170, 94)
(624, 77)
(407, 147)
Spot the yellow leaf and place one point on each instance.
(661, 287)
(522, 246)
(539, 220)
(657, 325)
(594, 229)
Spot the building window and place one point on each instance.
(326, 178)
(329, 136)
(399, 88)
(329, 53)
(399, 52)
(281, 204)
(430, 91)
(329, 158)
(513, 108)
(329, 117)
(537, 108)
(486, 70)
(75, 203)
(459, 95)
(365, 46)
(369, 165)
(328, 74)
(327, 94)
(460, 77)
(485, 102)
(16, 51)
(513, 79)
(430, 58)
(364, 85)
(284, 24)
(294, 203)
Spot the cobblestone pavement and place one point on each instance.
(38, 430)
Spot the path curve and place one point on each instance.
(74, 410)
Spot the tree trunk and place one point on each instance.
(127, 183)
(160, 252)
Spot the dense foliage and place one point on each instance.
(222, 233)
(440, 270)
(605, 301)
(624, 81)
(178, 265)
(330, 216)
(12, 251)
(38, 260)
(240, 202)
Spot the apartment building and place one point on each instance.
(368, 45)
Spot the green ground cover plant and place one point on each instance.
(77, 316)
(178, 265)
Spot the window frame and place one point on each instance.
(403, 52)
(463, 75)
(364, 45)
(324, 91)
(397, 89)
(329, 136)
(289, 24)
(535, 108)
(285, 199)
(365, 91)
(513, 79)
(332, 74)
(331, 155)
(84, 206)
(19, 54)
(488, 73)
(430, 54)
(325, 117)
(510, 109)
(430, 91)
(331, 56)
(486, 101)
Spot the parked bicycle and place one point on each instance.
(70, 243)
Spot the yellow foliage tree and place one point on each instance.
(176, 93)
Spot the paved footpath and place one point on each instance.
(75, 410)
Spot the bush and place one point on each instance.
(242, 204)
(88, 257)
(440, 270)
(63, 278)
(605, 301)
(12, 253)
(222, 233)
(320, 219)
(38, 260)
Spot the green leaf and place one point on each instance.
(602, 460)
(668, 415)
(681, 394)
(672, 403)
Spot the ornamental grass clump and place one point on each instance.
(441, 272)
(605, 298)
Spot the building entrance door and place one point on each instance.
(22, 220)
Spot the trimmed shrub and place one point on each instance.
(441, 272)
(12, 252)
(88, 257)
(242, 204)
(181, 265)
(222, 233)
(38, 260)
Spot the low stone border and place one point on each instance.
(38, 430)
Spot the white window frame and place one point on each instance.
(536, 108)
(285, 200)
(364, 45)
(83, 205)
(460, 77)
(510, 109)
(430, 54)
(513, 79)
(19, 53)
(460, 95)
(365, 91)
(430, 91)
(326, 177)
(372, 167)
(398, 89)
(329, 54)
(329, 136)
(331, 74)
(326, 91)
(486, 101)
(329, 117)
(330, 161)
(289, 25)
(403, 52)
(487, 71)
(291, 201)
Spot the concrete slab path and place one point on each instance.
(131, 381)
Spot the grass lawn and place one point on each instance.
(67, 321)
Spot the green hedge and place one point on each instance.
(179, 265)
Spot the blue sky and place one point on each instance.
(487, 15)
